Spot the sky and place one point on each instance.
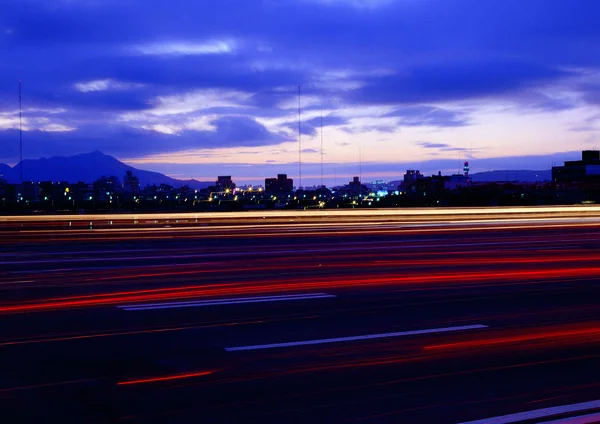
(200, 88)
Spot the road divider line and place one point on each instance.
(232, 301)
(356, 338)
(538, 413)
(580, 419)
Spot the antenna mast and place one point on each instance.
(299, 142)
(322, 149)
(360, 164)
(20, 133)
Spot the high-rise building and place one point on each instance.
(356, 187)
(281, 184)
(585, 170)
(410, 179)
(224, 183)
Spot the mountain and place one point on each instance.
(87, 167)
(512, 175)
(5, 170)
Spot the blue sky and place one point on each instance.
(196, 88)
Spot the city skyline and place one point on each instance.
(210, 88)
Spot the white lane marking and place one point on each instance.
(233, 301)
(136, 305)
(537, 413)
(355, 338)
(581, 419)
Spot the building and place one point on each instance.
(410, 179)
(29, 191)
(456, 181)
(224, 183)
(356, 188)
(107, 188)
(281, 184)
(131, 183)
(585, 170)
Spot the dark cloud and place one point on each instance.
(434, 50)
(429, 116)
(369, 128)
(429, 145)
(330, 120)
(553, 105)
(304, 129)
(122, 140)
(455, 81)
(444, 147)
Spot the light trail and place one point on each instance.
(141, 234)
(529, 273)
(591, 333)
(427, 279)
(220, 302)
(538, 413)
(164, 378)
(352, 213)
(355, 338)
(580, 419)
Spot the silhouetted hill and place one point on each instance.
(87, 167)
(5, 170)
(512, 175)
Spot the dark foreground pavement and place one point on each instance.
(431, 322)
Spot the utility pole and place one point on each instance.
(20, 133)
(360, 164)
(322, 149)
(299, 142)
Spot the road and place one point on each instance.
(370, 316)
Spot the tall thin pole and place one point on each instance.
(299, 142)
(360, 164)
(20, 133)
(322, 149)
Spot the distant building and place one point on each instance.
(131, 183)
(224, 183)
(281, 184)
(456, 181)
(356, 188)
(105, 188)
(29, 191)
(585, 170)
(410, 179)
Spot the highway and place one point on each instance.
(348, 316)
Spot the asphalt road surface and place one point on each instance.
(358, 316)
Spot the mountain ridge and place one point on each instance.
(87, 167)
(522, 175)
